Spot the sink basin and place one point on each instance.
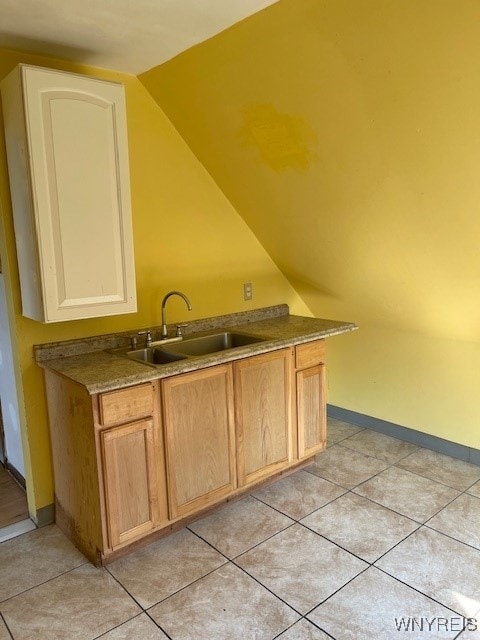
(158, 354)
(154, 355)
(204, 345)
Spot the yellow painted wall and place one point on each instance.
(347, 135)
(187, 236)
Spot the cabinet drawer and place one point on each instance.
(124, 405)
(309, 354)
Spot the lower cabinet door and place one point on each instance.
(129, 481)
(200, 438)
(263, 415)
(311, 411)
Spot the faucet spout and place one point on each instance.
(164, 332)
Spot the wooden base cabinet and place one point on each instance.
(143, 459)
(310, 396)
(131, 461)
(109, 464)
(263, 415)
(200, 438)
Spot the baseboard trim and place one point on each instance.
(45, 515)
(453, 449)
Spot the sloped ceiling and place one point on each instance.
(346, 134)
(131, 36)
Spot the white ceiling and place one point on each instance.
(126, 35)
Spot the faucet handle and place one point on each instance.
(148, 334)
(179, 330)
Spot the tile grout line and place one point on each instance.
(370, 564)
(389, 466)
(36, 586)
(146, 609)
(227, 561)
(421, 475)
(278, 636)
(390, 576)
(298, 521)
(394, 464)
(124, 589)
(397, 513)
(345, 491)
(141, 613)
(446, 606)
(147, 613)
(250, 548)
(425, 523)
(337, 590)
(232, 562)
(420, 525)
(2, 617)
(301, 524)
(448, 535)
(352, 553)
(444, 507)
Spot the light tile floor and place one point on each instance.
(377, 540)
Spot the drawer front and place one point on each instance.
(125, 405)
(310, 354)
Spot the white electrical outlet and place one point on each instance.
(247, 291)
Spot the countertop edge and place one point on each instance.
(90, 344)
(112, 371)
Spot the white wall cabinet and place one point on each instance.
(66, 139)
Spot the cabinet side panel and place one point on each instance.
(74, 463)
(22, 201)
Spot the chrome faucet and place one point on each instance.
(164, 332)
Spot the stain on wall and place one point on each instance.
(283, 140)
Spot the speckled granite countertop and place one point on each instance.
(98, 370)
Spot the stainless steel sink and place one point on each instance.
(204, 345)
(154, 355)
(189, 348)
